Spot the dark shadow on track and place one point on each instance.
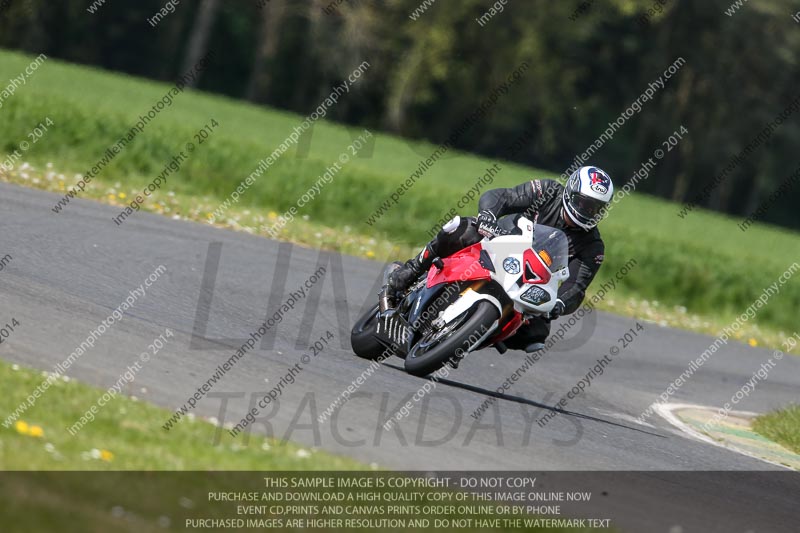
(526, 401)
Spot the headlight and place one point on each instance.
(536, 296)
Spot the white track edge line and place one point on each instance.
(666, 412)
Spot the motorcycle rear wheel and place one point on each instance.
(362, 340)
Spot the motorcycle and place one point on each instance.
(474, 299)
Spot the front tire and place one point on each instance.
(424, 360)
(362, 340)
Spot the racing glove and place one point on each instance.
(487, 225)
(557, 310)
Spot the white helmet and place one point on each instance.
(586, 194)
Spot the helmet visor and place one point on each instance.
(590, 210)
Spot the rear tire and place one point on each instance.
(476, 324)
(362, 340)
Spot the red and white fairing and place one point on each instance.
(529, 267)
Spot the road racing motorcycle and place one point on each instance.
(474, 299)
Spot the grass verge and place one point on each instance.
(781, 426)
(122, 437)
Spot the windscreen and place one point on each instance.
(552, 246)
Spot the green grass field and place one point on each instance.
(122, 436)
(697, 273)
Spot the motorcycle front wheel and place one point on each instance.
(440, 347)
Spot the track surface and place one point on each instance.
(70, 271)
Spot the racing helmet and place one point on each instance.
(586, 195)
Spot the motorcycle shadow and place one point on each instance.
(525, 401)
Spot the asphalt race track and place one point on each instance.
(71, 270)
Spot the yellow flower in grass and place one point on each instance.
(122, 196)
(752, 342)
(106, 456)
(23, 428)
(370, 254)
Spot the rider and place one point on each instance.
(575, 209)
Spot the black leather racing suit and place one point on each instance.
(538, 200)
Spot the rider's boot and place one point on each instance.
(401, 278)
